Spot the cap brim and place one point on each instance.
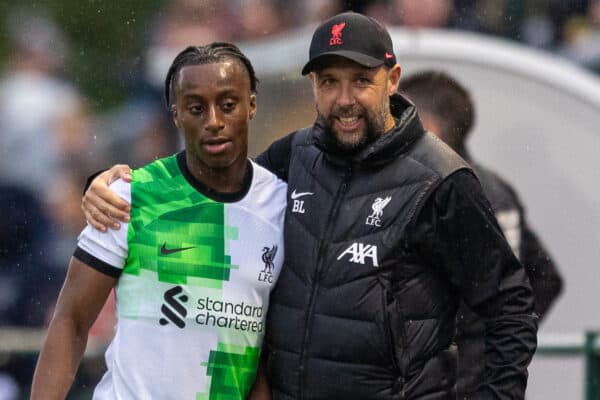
(364, 60)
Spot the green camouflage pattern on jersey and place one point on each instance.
(174, 230)
(233, 370)
(178, 236)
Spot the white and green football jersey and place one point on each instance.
(195, 270)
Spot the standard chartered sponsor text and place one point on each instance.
(223, 314)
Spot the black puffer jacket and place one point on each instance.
(543, 274)
(379, 247)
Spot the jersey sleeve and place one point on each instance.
(106, 251)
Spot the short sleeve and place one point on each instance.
(106, 251)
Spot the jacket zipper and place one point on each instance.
(320, 259)
(390, 344)
(403, 391)
(388, 333)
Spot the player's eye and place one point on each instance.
(228, 106)
(196, 108)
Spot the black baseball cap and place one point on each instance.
(354, 36)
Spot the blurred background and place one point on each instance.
(81, 88)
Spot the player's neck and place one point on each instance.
(222, 180)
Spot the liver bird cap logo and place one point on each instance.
(336, 34)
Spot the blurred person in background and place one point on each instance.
(28, 283)
(180, 22)
(582, 38)
(44, 123)
(260, 18)
(447, 110)
(422, 13)
(62, 204)
(315, 11)
(538, 27)
(37, 106)
(432, 14)
(537, 23)
(139, 130)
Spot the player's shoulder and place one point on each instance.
(162, 168)
(268, 193)
(264, 178)
(267, 198)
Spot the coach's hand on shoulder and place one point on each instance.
(101, 206)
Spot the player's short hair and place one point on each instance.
(211, 53)
(440, 96)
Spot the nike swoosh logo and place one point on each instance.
(165, 252)
(295, 195)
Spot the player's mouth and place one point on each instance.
(216, 145)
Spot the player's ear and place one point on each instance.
(175, 115)
(252, 111)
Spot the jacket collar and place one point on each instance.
(388, 146)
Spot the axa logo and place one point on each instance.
(336, 34)
(297, 204)
(360, 252)
(173, 309)
(378, 205)
(268, 256)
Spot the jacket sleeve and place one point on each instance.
(457, 233)
(541, 269)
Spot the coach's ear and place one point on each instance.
(394, 79)
(312, 76)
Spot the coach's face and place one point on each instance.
(213, 107)
(353, 101)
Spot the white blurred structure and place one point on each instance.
(538, 120)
